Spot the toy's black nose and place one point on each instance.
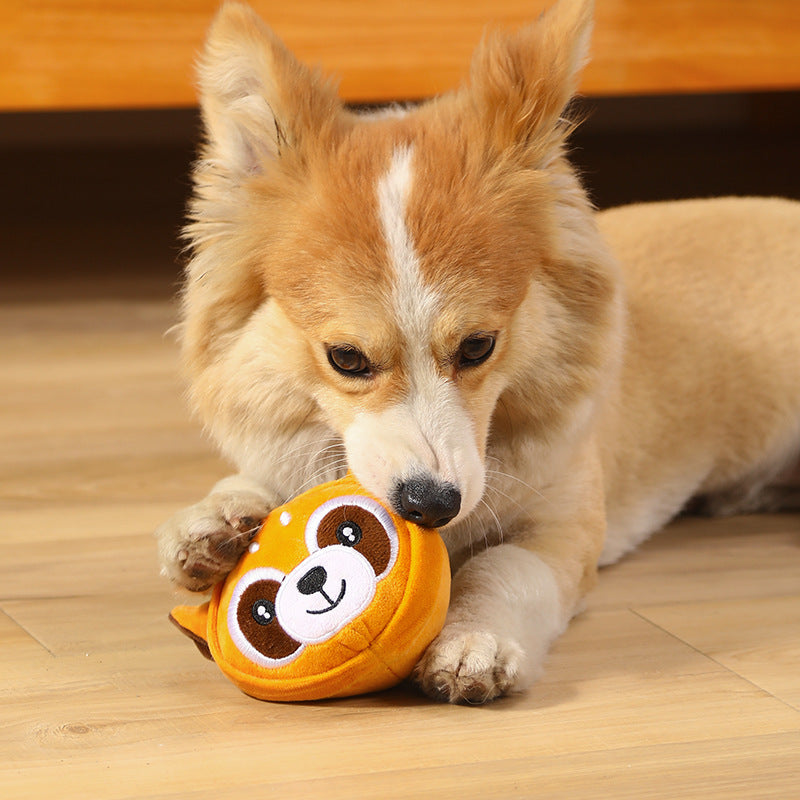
(312, 581)
(426, 502)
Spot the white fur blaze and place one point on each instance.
(415, 304)
(428, 431)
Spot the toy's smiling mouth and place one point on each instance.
(331, 603)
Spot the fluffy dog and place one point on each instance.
(426, 296)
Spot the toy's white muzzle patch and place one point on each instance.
(324, 592)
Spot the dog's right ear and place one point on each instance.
(257, 100)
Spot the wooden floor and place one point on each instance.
(681, 680)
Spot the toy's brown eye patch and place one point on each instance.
(353, 526)
(259, 625)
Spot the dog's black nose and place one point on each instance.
(427, 503)
(312, 581)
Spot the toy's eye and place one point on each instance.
(358, 523)
(263, 611)
(349, 533)
(253, 624)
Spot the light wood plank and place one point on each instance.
(91, 548)
(137, 53)
(139, 736)
(757, 638)
(23, 655)
(713, 559)
(111, 422)
(760, 767)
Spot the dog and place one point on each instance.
(425, 296)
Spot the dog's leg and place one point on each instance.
(510, 602)
(200, 544)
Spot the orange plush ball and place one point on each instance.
(336, 596)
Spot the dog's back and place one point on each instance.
(709, 396)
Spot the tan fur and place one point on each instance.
(620, 386)
(710, 394)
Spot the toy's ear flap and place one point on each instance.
(193, 621)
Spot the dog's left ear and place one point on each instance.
(520, 83)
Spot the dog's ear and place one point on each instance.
(256, 98)
(520, 83)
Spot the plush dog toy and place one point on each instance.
(336, 596)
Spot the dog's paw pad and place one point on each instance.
(469, 667)
(202, 544)
(207, 559)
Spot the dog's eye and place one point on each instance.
(475, 349)
(348, 360)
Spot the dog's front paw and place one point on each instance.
(468, 666)
(201, 544)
